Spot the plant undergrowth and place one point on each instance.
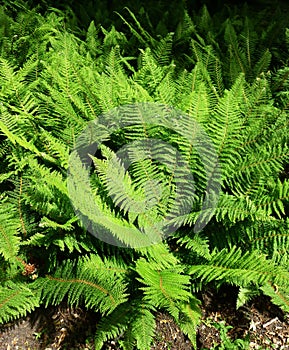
(222, 72)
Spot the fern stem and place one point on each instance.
(77, 280)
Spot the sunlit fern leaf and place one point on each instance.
(163, 287)
(100, 288)
(242, 269)
(190, 315)
(143, 326)
(9, 230)
(197, 244)
(16, 300)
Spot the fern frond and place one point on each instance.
(267, 162)
(143, 327)
(163, 50)
(237, 54)
(197, 103)
(196, 243)
(241, 269)
(53, 179)
(238, 208)
(105, 222)
(159, 254)
(98, 286)
(227, 124)
(270, 237)
(245, 294)
(118, 183)
(210, 67)
(144, 76)
(278, 295)
(263, 63)
(190, 315)
(16, 300)
(164, 287)
(55, 148)
(9, 230)
(141, 34)
(113, 325)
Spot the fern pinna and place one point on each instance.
(64, 83)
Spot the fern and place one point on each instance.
(170, 148)
(16, 300)
(9, 237)
(239, 269)
(94, 282)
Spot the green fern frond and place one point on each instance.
(144, 75)
(238, 208)
(16, 300)
(166, 92)
(270, 237)
(118, 183)
(227, 124)
(241, 268)
(160, 254)
(267, 162)
(163, 50)
(164, 287)
(278, 295)
(9, 230)
(210, 67)
(263, 63)
(140, 33)
(273, 202)
(237, 54)
(55, 148)
(197, 103)
(143, 327)
(104, 219)
(197, 244)
(190, 316)
(246, 294)
(100, 288)
(53, 179)
(113, 325)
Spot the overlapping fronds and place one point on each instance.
(135, 137)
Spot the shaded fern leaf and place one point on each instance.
(113, 325)
(278, 295)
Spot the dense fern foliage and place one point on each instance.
(228, 82)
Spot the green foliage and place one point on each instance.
(223, 86)
(91, 279)
(16, 299)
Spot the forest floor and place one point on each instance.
(259, 324)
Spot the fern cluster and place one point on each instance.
(54, 83)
